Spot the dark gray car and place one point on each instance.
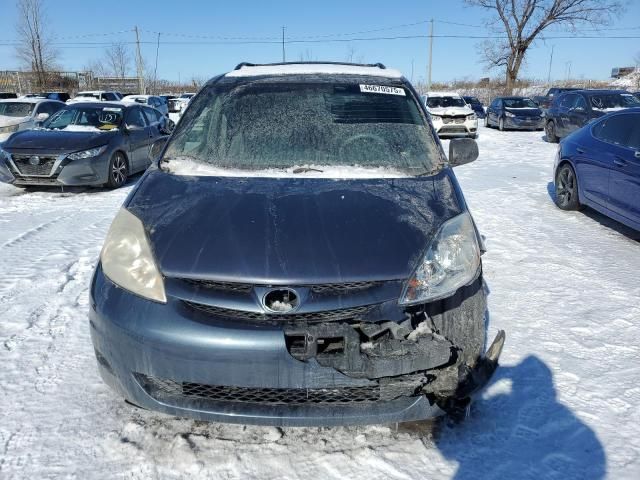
(84, 144)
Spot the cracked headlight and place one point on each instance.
(127, 259)
(452, 261)
(92, 152)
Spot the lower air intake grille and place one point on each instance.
(323, 316)
(156, 387)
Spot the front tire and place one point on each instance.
(550, 132)
(118, 170)
(501, 125)
(566, 197)
(486, 121)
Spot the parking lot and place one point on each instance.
(564, 285)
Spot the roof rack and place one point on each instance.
(248, 64)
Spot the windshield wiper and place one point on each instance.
(306, 169)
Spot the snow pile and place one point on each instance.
(631, 81)
(187, 167)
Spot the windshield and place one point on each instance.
(519, 103)
(440, 102)
(613, 101)
(271, 124)
(187, 95)
(16, 109)
(85, 119)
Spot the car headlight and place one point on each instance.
(127, 259)
(472, 116)
(92, 152)
(10, 128)
(451, 262)
(509, 114)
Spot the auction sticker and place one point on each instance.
(382, 89)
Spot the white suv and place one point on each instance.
(450, 115)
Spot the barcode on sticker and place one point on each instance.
(382, 89)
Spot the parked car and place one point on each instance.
(475, 104)
(60, 96)
(95, 96)
(301, 254)
(544, 102)
(4, 95)
(516, 113)
(572, 110)
(177, 105)
(24, 114)
(151, 100)
(450, 115)
(84, 144)
(599, 166)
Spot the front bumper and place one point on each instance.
(181, 362)
(60, 171)
(454, 127)
(524, 123)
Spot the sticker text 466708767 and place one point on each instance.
(382, 89)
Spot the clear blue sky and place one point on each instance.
(453, 58)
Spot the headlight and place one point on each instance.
(127, 258)
(451, 261)
(471, 117)
(10, 128)
(92, 152)
(509, 114)
(437, 117)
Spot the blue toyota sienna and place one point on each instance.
(299, 254)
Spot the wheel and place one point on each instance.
(486, 121)
(567, 188)
(550, 132)
(118, 170)
(501, 125)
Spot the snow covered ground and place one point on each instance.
(564, 403)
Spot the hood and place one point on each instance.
(7, 121)
(291, 230)
(451, 110)
(57, 140)
(524, 112)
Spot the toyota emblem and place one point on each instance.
(281, 300)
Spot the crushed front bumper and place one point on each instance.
(182, 362)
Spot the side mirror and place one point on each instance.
(462, 151)
(41, 117)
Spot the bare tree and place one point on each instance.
(118, 59)
(520, 22)
(34, 47)
(352, 55)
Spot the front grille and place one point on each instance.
(42, 169)
(313, 317)
(320, 288)
(156, 387)
(451, 119)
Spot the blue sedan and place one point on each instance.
(599, 166)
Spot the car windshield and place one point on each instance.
(85, 119)
(440, 102)
(519, 103)
(16, 109)
(280, 124)
(472, 100)
(186, 95)
(613, 101)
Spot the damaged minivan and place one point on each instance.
(299, 254)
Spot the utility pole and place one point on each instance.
(284, 57)
(550, 63)
(155, 70)
(568, 65)
(139, 63)
(430, 55)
